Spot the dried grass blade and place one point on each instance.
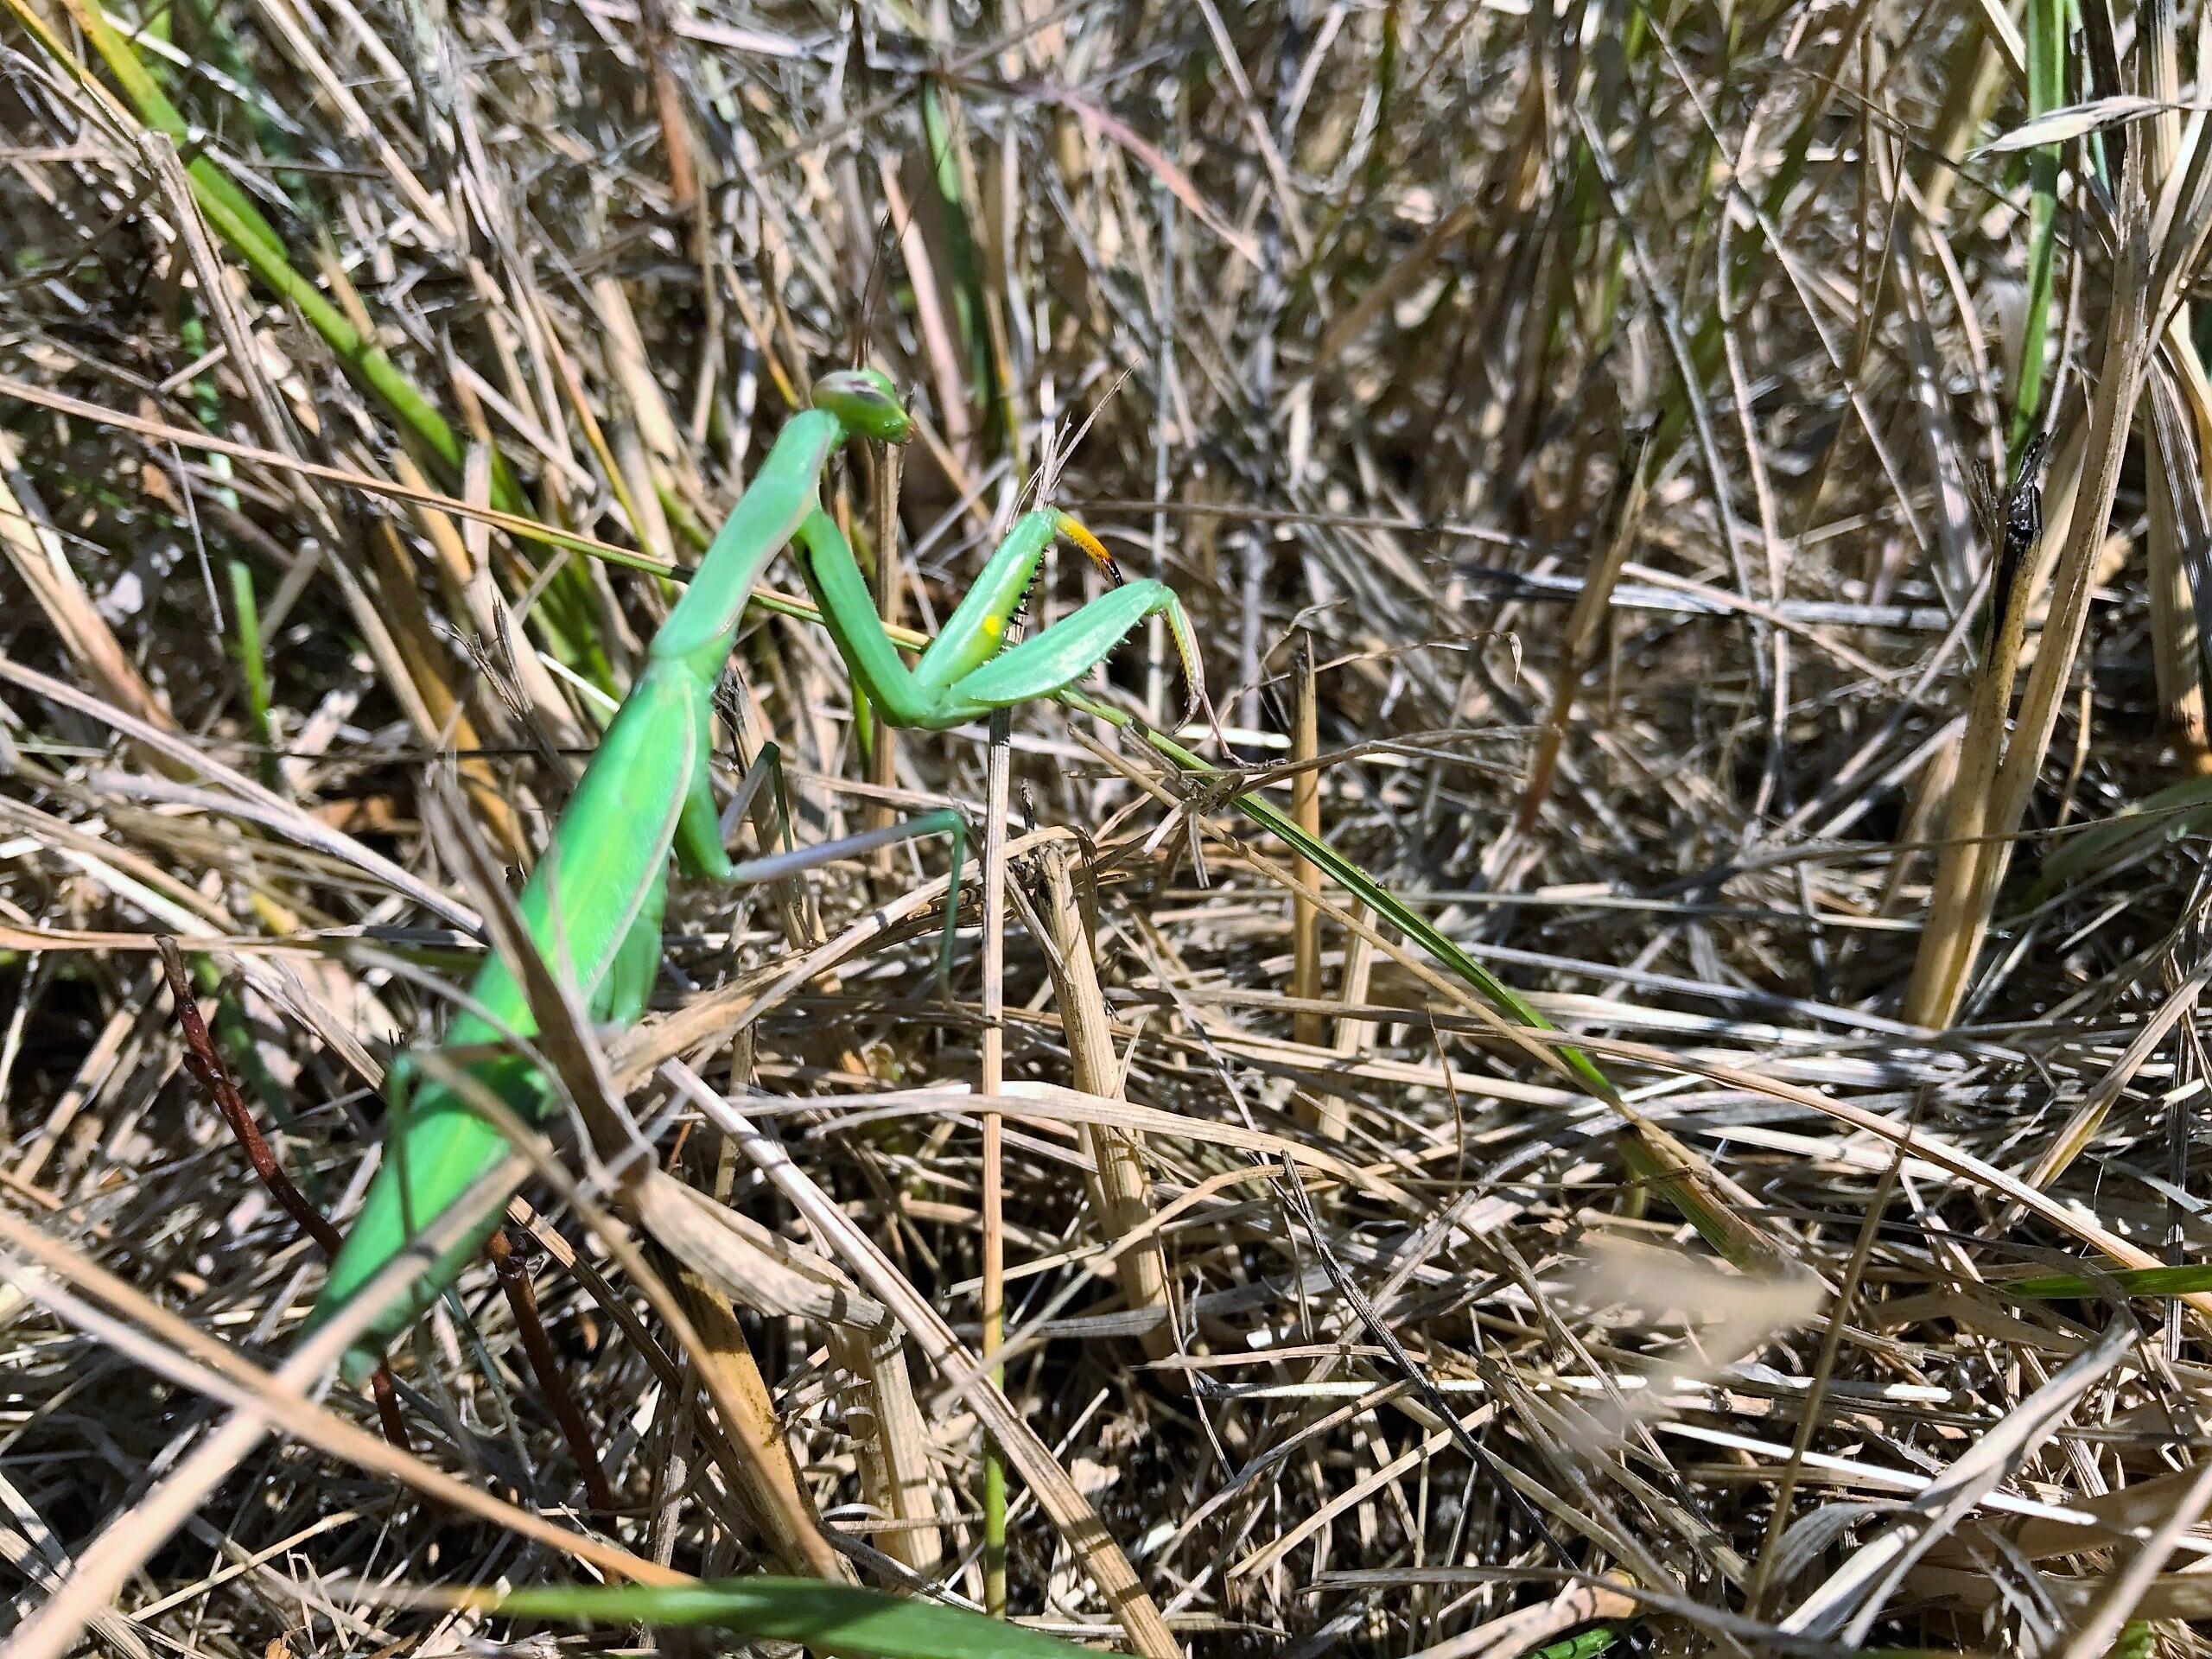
(1056, 1494)
(1120, 1187)
(1853, 1597)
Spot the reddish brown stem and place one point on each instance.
(668, 100)
(206, 1064)
(514, 1279)
(386, 1396)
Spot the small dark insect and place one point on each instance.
(2016, 526)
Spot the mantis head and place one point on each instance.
(867, 403)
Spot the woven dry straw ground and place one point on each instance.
(1583, 435)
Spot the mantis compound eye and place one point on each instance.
(866, 401)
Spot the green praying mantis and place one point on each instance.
(592, 905)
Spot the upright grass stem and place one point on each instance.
(999, 768)
(1305, 808)
(252, 660)
(2046, 54)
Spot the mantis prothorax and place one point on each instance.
(592, 905)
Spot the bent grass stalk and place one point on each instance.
(840, 1619)
(239, 223)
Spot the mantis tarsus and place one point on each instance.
(592, 905)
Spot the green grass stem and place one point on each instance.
(839, 1619)
(2190, 1279)
(247, 648)
(2046, 44)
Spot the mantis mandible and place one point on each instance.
(592, 904)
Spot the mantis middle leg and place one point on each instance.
(708, 858)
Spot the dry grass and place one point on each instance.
(1333, 1321)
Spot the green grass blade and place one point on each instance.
(840, 1619)
(1373, 894)
(1415, 926)
(234, 217)
(2170, 814)
(238, 222)
(1652, 1154)
(2046, 43)
(2188, 1280)
(252, 659)
(1586, 1644)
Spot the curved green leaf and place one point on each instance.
(2190, 1279)
(2168, 815)
(838, 1618)
(833, 1619)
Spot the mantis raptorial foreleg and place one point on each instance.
(965, 673)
